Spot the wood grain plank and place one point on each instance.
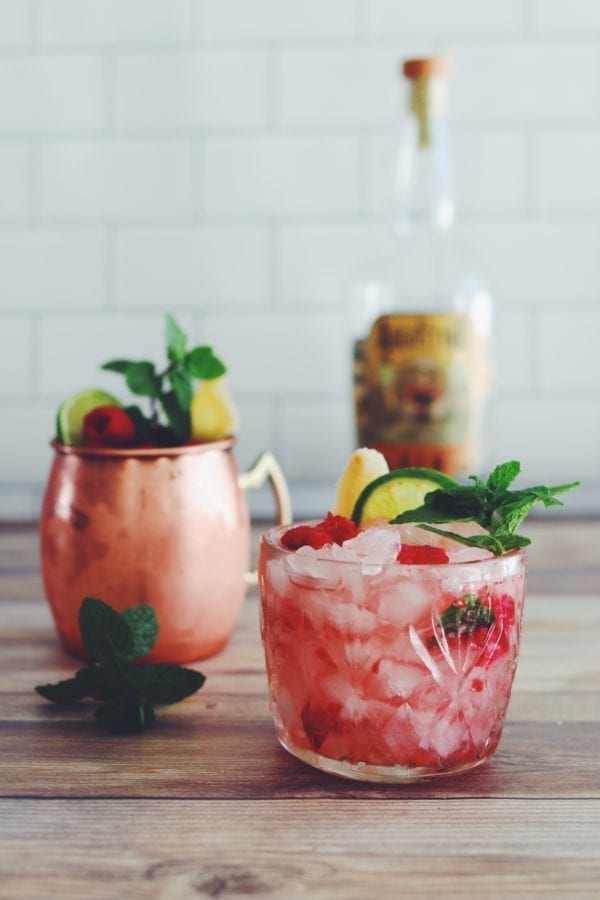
(324, 849)
(208, 757)
(222, 699)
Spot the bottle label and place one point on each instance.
(419, 390)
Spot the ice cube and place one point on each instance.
(402, 599)
(379, 546)
(308, 568)
(400, 679)
(277, 576)
(424, 655)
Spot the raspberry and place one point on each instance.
(339, 528)
(423, 554)
(305, 536)
(108, 426)
(504, 609)
(332, 530)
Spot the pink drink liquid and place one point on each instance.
(377, 672)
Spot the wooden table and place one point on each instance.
(207, 804)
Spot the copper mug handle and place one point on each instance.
(266, 468)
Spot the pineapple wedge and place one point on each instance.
(213, 413)
(364, 466)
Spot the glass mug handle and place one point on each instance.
(266, 468)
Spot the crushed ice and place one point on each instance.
(371, 549)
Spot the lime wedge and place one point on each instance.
(70, 416)
(397, 491)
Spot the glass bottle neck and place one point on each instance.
(423, 188)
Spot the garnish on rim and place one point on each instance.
(488, 503)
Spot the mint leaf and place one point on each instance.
(182, 387)
(466, 616)
(128, 714)
(202, 363)
(502, 476)
(489, 504)
(142, 379)
(128, 691)
(99, 681)
(446, 505)
(178, 418)
(104, 631)
(117, 365)
(176, 340)
(144, 626)
(69, 691)
(166, 684)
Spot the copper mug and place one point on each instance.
(169, 527)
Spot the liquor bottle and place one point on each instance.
(422, 315)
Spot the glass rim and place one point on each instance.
(270, 538)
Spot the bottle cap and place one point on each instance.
(426, 67)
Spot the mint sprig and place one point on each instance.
(466, 616)
(488, 503)
(170, 389)
(128, 692)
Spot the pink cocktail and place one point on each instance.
(385, 671)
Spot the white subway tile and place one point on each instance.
(15, 21)
(556, 439)
(255, 432)
(15, 356)
(273, 20)
(24, 450)
(117, 179)
(317, 439)
(567, 171)
(281, 175)
(489, 171)
(451, 17)
(204, 267)
(331, 86)
(539, 261)
(17, 504)
(513, 345)
(337, 263)
(39, 93)
(281, 355)
(114, 21)
(521, 262)
(74, 347)
(525, 83)
(43, 270)
(558, 16)
(15, 181)
(569, 357)
(321, 262)
(213, 89)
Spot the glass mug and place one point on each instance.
(168, 526)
